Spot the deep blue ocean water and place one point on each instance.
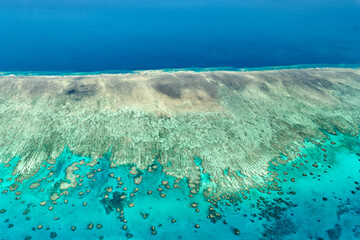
(92, 35)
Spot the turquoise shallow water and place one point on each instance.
(315, 196)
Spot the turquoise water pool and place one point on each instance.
(315, 196)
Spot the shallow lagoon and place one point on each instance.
(315, 196)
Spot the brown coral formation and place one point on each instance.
(238, 121)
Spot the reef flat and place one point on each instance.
(236, 122)
(181, 155)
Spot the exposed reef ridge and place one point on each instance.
(236, 122)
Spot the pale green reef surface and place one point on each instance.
(236, 122)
